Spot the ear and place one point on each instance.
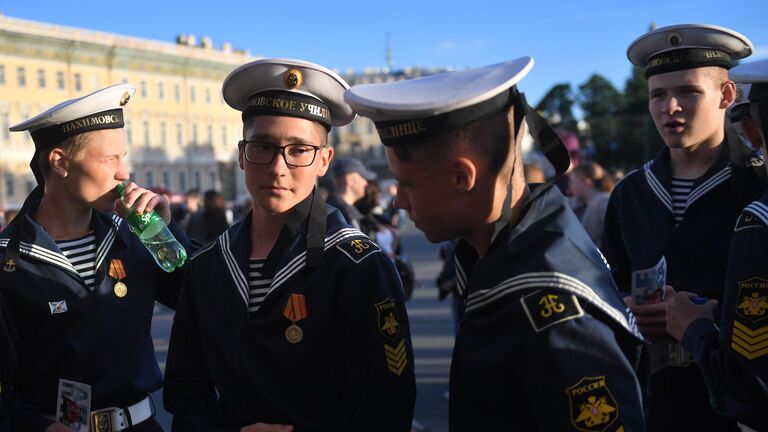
(57, 159)
(326, 154)
(463, 173)
(728, 94)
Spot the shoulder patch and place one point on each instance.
(357, 248)
(750, 328)
(748, 220)
(547, 308)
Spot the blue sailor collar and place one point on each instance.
(547, 247)
(289, 253)
(37, 244)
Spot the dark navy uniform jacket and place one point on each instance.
(546, 343)
(96, 338)
(352, 371)
(735, 357)
(640, 230)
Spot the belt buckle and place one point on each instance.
(101, 421)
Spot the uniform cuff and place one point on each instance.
(698, 336)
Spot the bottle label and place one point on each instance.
(140, 222)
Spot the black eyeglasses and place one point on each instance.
(294, 155)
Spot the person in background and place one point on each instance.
(732, 353)
(592, 187)
(679, 209)
(210, 221)
(350, 177)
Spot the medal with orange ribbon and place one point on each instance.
(117, 272)
(295, 310)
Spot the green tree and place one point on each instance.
(557, 107)
(600, 101)
(638, 140)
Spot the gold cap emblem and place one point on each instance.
(293, 79)
(125, 98)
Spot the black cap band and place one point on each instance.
(687, 58)
(397, 132)
(50, 136)
(292, 104)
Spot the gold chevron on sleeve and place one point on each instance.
(749, 343)
(396, 357)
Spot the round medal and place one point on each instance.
(121, 289)
(294, 334)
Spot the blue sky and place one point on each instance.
(569, 40)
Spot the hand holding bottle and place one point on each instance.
(151, 225)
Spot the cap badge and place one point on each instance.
(293, 79)
(675, 39)
(125, 98)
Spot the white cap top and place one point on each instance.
(289, 87)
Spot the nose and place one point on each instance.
(401, 201)
(122, 173)
(278, 165)
(671, 106)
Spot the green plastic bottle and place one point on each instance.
(154, 234)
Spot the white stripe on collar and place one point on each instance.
(43, 254)
(708, 185)
(286, 272)
(758, 209)
(527, 281)
(241, 283)
(109, 239)
(656, 186)
(461, 278)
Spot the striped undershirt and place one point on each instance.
(81, 253)
(680, 190)
(258, 284)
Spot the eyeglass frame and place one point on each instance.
(279, 149)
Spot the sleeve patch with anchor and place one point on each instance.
(547, 308)
(357, 249)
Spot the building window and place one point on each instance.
(145, 126)
(167, 180)
(191, 93)
(176, 92)
(128, 134)
(212, 179)
(41, 78)
(60, 80)
(143, 87)
(179, 134)
(197, 184)
(10, 185)
(150, 179)
(210, 135)
(207, 95)
(160, 91)
(2, 74)
(163, 134)
(183, 182)
(78, 82)
(22, 76)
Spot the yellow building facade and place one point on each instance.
(179, 131)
